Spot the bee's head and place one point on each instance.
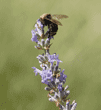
(46, 16)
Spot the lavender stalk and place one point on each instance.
(51, 74)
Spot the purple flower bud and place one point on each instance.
(43, 42)
(62, 94)
(34, 37)
(39, 27)
(57, 81)
(51, 100)
(62, 76)
(66, 87)
(60, 87)
(36, 71)
(68, 92)
(47, 42)
(39, 23)
(40, 58)
(52, 58)
(50, 85)
(47, 88)
(74, 106)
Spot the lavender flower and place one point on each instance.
(51, 74)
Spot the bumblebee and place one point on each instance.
(50, 21)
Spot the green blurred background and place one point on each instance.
(78, 43)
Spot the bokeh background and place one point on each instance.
(78, 43)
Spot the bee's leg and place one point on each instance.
(49, 30)
(48, 36)
(52, 33)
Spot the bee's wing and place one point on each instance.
(56, 22)
(56, 16)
